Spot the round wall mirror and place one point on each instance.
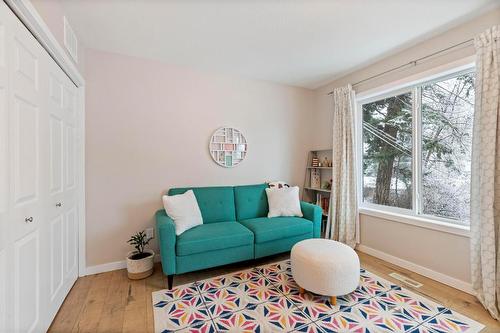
(228, 147)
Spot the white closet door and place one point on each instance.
(4, 179)
(70, 183)
(56, 189)
(28, 170)
(62, 185)
(38, 183)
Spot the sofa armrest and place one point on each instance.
(313, 213)
(166, 240)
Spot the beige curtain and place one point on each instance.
(342, 216)
(485, 181)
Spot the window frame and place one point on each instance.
(414, 216)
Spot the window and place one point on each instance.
(387, 151)
(416, 149)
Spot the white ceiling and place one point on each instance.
(301, 43)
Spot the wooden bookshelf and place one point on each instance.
(313, 193)
(317, 189)
(328, 168)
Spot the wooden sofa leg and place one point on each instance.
(333, 300)
(170, 279)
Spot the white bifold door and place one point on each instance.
(38, 181)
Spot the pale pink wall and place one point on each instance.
(52, 12)
(441, 252)
(148, 125)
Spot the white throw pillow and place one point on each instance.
(277, 184)
(283, 201)
(184, 210)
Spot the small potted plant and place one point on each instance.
(140, 261)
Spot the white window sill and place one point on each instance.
(418, 221)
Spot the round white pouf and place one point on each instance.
(325, 267)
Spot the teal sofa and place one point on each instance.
(235, 228)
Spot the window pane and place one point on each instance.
(387, 151)
(447, 115)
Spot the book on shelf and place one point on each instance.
(324, 202)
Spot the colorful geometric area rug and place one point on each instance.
(266, 299)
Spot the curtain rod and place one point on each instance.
(412, 63)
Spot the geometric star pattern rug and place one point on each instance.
(267, 299)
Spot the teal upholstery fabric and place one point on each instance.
(278, 246)
(166, 233)
(216, 203)
(199, 261)
(251, 201)
(313, 213)
(220, 240)
(213, 236)
(269, 229)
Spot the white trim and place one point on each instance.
(427, 272)
(412, 84)
(69, 33)
(35, 24)
(112, 266)
(418, 221)
(107, 267)
(82, 259)
(28, 15)
(416, 150)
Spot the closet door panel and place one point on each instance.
(29, 177)
(56, 135)
(26, 61)
(4, 155)
(58, 201)
(3, 290)
(56, 187)
(4, 122)
(25, 135)
(56, 154)
(27, 206)
(56, 256)
(70, 178)
(71, 243)
(70, 181)
(69, 99)
(27, 284)
(4, 179)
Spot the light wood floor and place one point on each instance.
(110, 302)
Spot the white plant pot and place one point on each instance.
(140, 268)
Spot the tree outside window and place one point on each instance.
(443, 119)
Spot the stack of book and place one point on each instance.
(324, 202)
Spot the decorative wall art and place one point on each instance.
(228, 147)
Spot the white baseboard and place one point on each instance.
(107, 267)
(111, 266)
(427, 272)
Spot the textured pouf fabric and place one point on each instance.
(325, 267)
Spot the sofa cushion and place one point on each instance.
(213, 236)
(216, 203)
(269, 229)
(251, 201)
